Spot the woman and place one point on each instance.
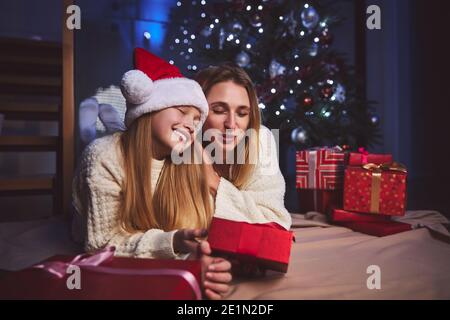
(251, 190)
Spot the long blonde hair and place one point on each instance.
(181, 198)
(207, 78)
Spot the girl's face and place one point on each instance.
(173, 128)
(229, 114)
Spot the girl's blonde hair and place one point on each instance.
(207, 78)
(181, 199)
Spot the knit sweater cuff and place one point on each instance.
(162, 244)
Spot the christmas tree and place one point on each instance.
(304, 87)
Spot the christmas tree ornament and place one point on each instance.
(326, 91)
(236, 27)
(325, 113)
(242, 59)
(307, 100)
(313, 50)
(339, 94)
(299, 136)
(310, 18)
(276, 69)
(256, 20)
(206, 31)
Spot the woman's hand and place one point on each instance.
(216, 273)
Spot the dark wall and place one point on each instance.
(31, 19)
(430, 108)
(110, 30)
(407, 64)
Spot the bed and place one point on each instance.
(327, 262)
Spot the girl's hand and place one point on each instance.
(216, 273)
(185, 240)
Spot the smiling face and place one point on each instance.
(173, 128)
(229, 114)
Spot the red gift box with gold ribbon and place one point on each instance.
(104, 277)
(377, 189)
(267, 245)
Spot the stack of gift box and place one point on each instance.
(357, 190)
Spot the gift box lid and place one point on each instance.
(118, 278)
(363, 157)
(269, 243)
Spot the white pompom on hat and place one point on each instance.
(155, 84)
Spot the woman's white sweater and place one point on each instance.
(97, 196)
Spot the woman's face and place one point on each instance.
(173, 128)
(229, 114)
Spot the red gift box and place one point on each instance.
(363, 157)
(339, 215)
(104, 277)
(321, 168)
(378, 229)
(319, 178)
(268, 245)
(377, 189)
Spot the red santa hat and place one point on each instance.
(155, 84)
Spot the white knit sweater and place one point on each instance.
(97, 195)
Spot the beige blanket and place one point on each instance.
(329, 262)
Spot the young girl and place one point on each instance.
(128, 191)
(254, 189)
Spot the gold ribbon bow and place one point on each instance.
(377, 170)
